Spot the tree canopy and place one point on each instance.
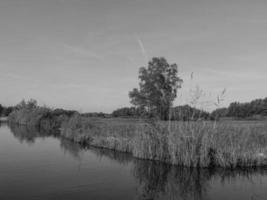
(157, 87)
(5, 111)
(257, 107)
(129, 112)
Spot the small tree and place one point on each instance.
(157, 88)
(30, 104)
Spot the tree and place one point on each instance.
(7, 110)
(219, 113)
(128, 112)
(1, 109)
(157, 88)
(187, 113)
(30, 104)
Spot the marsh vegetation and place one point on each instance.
(227, 144)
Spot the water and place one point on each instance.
(38, 165)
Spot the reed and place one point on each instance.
(191, 143)
(99, 133)
(201, 144)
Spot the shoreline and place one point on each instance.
(130, 146)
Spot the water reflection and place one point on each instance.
(73, 149)
(28, 134)
(3, 122)
(157, 180)
(120, 157)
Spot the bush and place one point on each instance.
(30, 114)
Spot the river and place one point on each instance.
(38, 165)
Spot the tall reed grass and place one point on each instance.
(100, 133)
(191, 143)
(201, 144)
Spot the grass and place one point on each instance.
(227, 144)
(111, 134)
(193, 144)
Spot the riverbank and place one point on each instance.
(192, 144)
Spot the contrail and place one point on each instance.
(141, 44)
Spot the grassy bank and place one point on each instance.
(194, 144)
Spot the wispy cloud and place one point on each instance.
(142, 47)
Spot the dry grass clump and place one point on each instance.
(201, 144)
(243, 146)
(99, 133)
(151, 142)
(190, 144)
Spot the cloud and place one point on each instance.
(141, 45)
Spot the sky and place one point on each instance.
(85, 54)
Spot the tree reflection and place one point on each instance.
(120, 157)
(161, 181)
(71, 148)
(28, 134)
(157, 180)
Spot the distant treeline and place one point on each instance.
(129, 112)
(184, 113)
(5, 111)
(96, 114)
(254, 109)
(187, 112)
